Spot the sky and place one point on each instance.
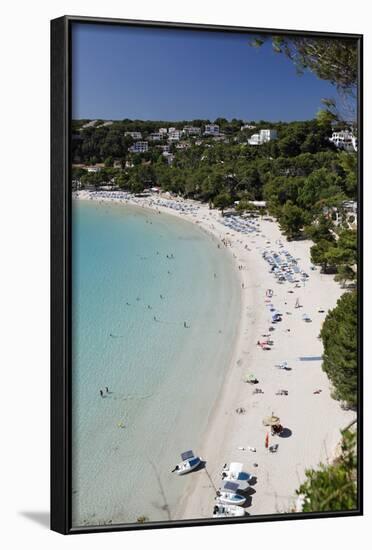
(166, 74)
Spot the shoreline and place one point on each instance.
(313, 422)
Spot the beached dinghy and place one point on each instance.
(228, 511)
(235, 473)
(188, 464)
(228, 495)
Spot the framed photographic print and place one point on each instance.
(206, 274)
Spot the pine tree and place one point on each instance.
(339, 336)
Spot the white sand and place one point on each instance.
(312, 421)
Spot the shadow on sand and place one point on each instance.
(285, 433)
(201, 466)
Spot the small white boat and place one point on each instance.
(227, 511)
(235, 470)
(188, 464)
(235, 473)
(228, 494)
(230, 498)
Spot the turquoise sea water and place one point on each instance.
(163, 378)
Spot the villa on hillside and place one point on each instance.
(156, 136)
(139, 147)
(344, 140)
(164, 148)
(134, 135)
(174, 135)
(191, 130)
(247, 127)
(212, 130)
(263, 137)
(89, 124)
(347, 213)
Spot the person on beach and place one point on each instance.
(101, 393)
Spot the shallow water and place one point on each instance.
(163, 378)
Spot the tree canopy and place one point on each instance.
(331, 59)
(333, 487)
(339, 336)
(335, 60)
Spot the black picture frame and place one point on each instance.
(61, 275)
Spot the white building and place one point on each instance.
(163, 131)
(89, 124)
(134, 135)
(350, 207)
(263, 137)
(174, 135)
(156, 136)
(164, 148)
(139, 147)
(348, 213)
(107, 123)
(344, 140)
(255, 139)
(212, 130)
(191, 131)
(247, 127)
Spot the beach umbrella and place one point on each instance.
(271, 420)
(250, 378)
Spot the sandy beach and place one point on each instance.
(312, 421)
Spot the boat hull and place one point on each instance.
(233, 499)
(185, 467)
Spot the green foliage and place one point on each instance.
(291, 219)
(109, 162)
(334, 60)
(339, 336)
(319, 254)
(349, 164)
(334, 254)
(222, 200)
(330, 59)
(319, 185)
(333, 487)
(320, 231)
